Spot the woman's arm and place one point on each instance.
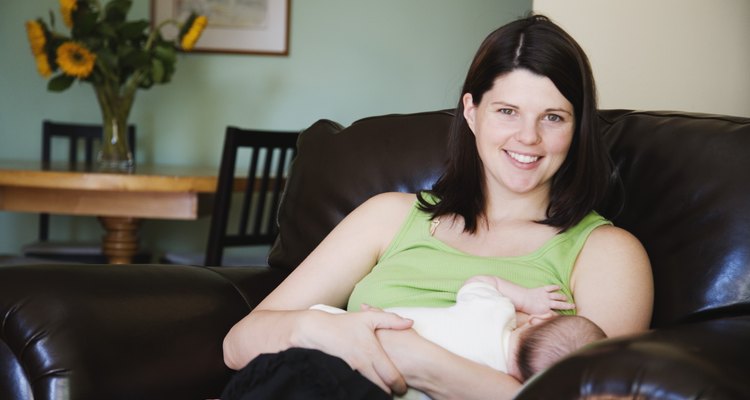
(612, 282)
(328, 276)
(442, 374)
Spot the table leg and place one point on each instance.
(120, 243)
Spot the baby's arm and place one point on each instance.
(536, 301)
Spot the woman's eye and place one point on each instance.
(506, 111)
(554, 118)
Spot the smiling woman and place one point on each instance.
(526, 170)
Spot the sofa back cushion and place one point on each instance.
(337, 169)
(685, 179)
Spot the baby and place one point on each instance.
(531, 336)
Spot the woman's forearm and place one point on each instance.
(251, 336)
(445, 375)
(442, 374)
(348, 336)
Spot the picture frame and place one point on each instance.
(234, 26)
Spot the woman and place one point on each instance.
(527, 169)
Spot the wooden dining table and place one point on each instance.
(119, 200)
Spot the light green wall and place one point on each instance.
(348, 59)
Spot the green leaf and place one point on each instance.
(133, 30)
(136, 58)
(51, 19)
(107, 55)
(85, 24)
(117, 10)
(166, 52)
(146, 82)
(168, 71)
(60, 83)
(157, 71)
(108, 31)
(108, 58)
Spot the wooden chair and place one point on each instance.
(252, 220)
(77, 136)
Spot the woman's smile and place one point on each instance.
(526, 161)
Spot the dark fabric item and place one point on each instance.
(300, 374)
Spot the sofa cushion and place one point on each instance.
(686, 180)
(337, 169)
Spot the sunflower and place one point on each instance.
(193, 33)
(37, 38)
(42, 65)
(75, 59)
(66, 9)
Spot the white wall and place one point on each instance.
(690, 55)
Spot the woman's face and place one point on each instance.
(523, 128)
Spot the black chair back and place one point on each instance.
(271, 153)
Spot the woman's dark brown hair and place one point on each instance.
(581, 184)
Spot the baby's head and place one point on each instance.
(542, 344)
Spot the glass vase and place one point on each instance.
(114, 154)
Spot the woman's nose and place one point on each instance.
(528, 133)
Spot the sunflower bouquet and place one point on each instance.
(115, 55)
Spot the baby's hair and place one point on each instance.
(544, 344)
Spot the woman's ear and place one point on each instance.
(470, 110)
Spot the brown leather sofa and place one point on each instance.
(155, 331)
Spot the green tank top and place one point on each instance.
(418, 270)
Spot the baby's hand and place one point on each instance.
(542, 300)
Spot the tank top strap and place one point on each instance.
(416, 227)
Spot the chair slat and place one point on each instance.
(271, 153)
(263, 193)
(248, 196)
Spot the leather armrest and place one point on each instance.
(699, 360)
(132, 331)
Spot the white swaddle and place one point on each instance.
(477, 327)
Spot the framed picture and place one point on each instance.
(234, 26)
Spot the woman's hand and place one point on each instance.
(362, 351)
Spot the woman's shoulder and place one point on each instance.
(384, 214)
(613, 251)
(388, 207)
(609, 237)
(391, 201)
